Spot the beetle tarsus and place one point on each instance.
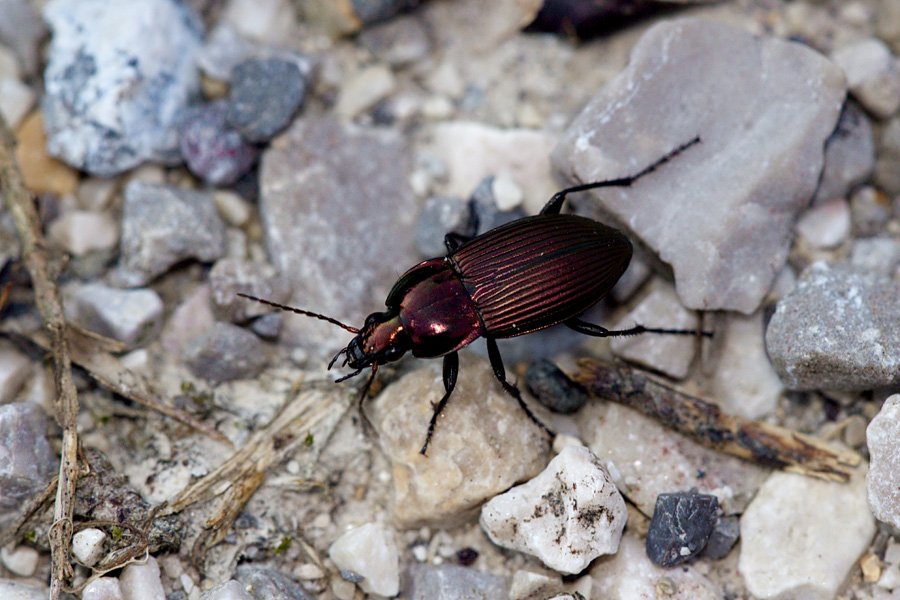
(555, 204)
(597, 331)
(451, 370)
(500, 374)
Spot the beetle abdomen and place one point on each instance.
(539, 271)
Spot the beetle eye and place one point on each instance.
(393, 353)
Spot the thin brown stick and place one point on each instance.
(46, 294)
(705, 423)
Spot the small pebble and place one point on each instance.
(42, 173)
(399, 41)
(870, 565)
(870, 211)
(234, 209)
(879, 254)
(370, 552)
(20, 560)
(883, 440)
(16, 100)
(87, 546)
(133, 317)
(553, 388)
(723, 537)
(308, 571)
(104, 588)
(267, 21)
(801, 536)
(527, 585)
(162, 226)
(849, 155)
(265, 94)
(229, 590)
(95, 194)
(826, 225)
(268, 326)
(223, 49)
(225, 353)
(81, 231)
(15, 369)
(680, 528)
(212, 150)
(431, 582)
(28, 463)
(567, 516)
(141, 581)
(872, 75)
(364, 89)
(507, 195)
(466, 556)
(270, 584)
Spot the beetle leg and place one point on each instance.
(454, 240)
(346, 377)
(555, 204)
(451, 370)
(500, 374)
(597, 331)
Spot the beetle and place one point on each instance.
(523, 276)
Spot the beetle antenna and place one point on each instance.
(334, 360)
(300, 312)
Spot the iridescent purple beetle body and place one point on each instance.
(524, 276)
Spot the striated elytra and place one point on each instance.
(520, 277)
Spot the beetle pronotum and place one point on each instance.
(518, 278)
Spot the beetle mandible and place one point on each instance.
(518, 278)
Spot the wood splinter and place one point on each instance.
(706, 424)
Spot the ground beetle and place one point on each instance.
(520, 277)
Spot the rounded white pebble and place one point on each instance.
(87, 546)
(21, 560)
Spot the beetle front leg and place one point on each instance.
(597, 331)
(451, 370)
(500, 374)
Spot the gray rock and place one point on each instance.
(265, 94)
(22, 30)
(26, 461)
(338, 219)
(849, 155)
(225, 353)
(268, 326)
(229, 590)
(134, 317)
(883, 478)
(681, 526)
(162, 226)
(212, 150)
(870, 211)
(553, 388)
(440, 215)
(825, 225)
(723, 538)
(567, 516)
(451, 582)
(118, 78)
(838, 330)
(763, 108)
(872, 75)
(230, 276)
(398, 42)
(268, 584)
(879, 254)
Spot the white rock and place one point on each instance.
(142, 582)
(567, 516)
(801, 536)
(472, 151)
(81, 231)
(507, 195)
(629, 575)
(653, 459)
(87, 546)
(883, 479)
(230, 590)
(872, 75)
(364, 90)
(15, 368)
(669, 354)
(130, 316)
(16, 99)
(232, 207)
(744, 383)
(105, 588)
(826, 225)
(763, 109)
(370, 551)
(21, 560)
(268, 21)
(20, 590)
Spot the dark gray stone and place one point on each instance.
(268, 584)
(224, 353)
(451, 582)
(849, 155)
(212, 150)
(439, 216)
(265, 94)
(26, 461)
(118, 78)
(553, 388)
(268, 326)
(162, 226)
(681, 526)
(723, 537)
(839, 329)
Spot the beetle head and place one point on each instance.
(381, 340)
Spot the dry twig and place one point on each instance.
(20, 204)
(707, 424)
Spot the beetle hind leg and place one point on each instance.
(451, 370)
(597, 331)
(500, 374)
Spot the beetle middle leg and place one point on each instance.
(597, 331)
(500, 374)
(555, 204)
(451, 370)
